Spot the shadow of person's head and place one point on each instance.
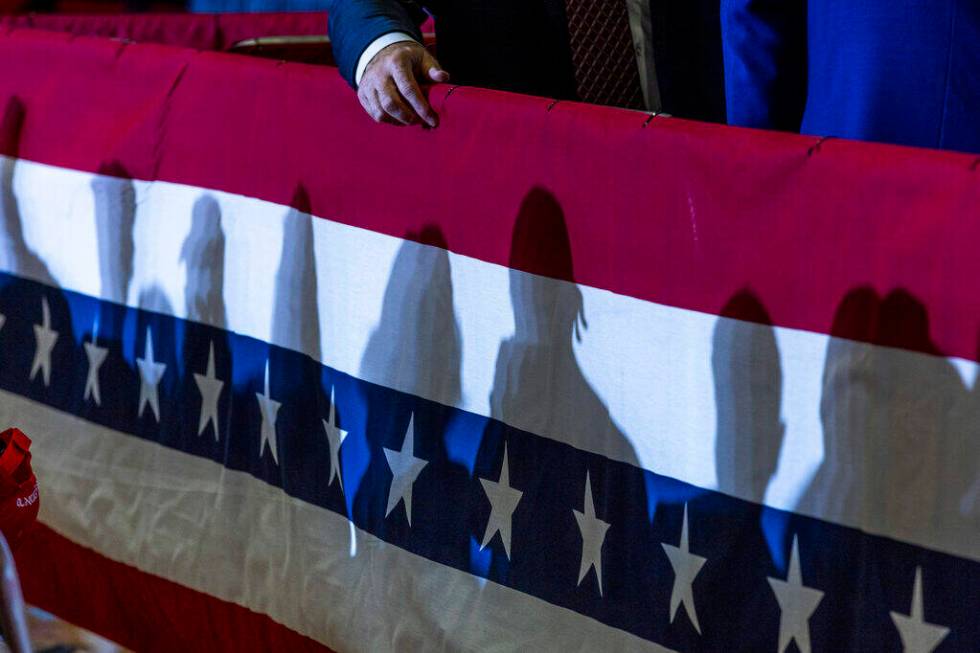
(417, 344)
(296, 318)
(539, 385)
(11, 229)
(848, 366)
(203, 252)
(877, 343)
(16, 255)
(889, 414)
(904, 324)
(11, 126)
(748, 395)
(545, 311)
(115, 220)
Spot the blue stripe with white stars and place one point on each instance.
(686, 567)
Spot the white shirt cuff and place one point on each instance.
(377, 46)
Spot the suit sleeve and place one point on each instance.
(355, 24)
(764, 44)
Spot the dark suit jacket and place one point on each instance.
(522, 45)
(515, 45)
(900, 71)
(687, 49)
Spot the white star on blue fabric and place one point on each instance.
(46, 338)
(917, 635)
(797, 604)
(593, 532)
(686, 567)
(96, 356)
(150, 374)
(405, 468)
(335, 438)
(210, 388)
(270, 411)
(503, 501)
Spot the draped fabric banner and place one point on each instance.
(199, 31)
(547, 377)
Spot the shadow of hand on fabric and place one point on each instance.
(889, 413)
(748, 392)
(16, 256)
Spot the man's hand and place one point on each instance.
(389, 90)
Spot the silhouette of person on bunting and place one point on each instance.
(16, 256)
(206, 352)
(538, 382)
(416, 348)
(115, 222)
(417, 341)
(296, 333)
(539, 387)
(748, 392)
(39, 317)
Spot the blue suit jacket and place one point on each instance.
(899, 71)
(515, 45)
(354, 24)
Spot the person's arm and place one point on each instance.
(377, 45)
(765, 49)
(355, 24)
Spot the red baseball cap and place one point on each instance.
(19, 495)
